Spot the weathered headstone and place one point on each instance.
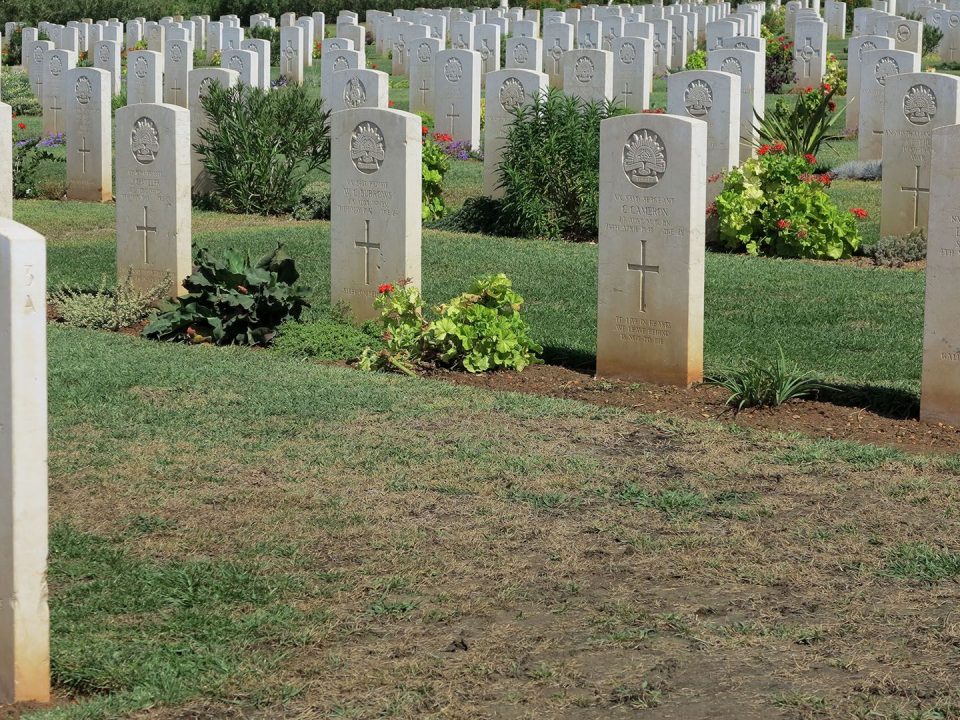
(750, 67)
(506, 91)
(375, 203)
(144, 77)
(334, 61)
(291, 54)
(589, 35)
(940, 387)
(915, 104)
(306, 24)
(153, 195)
(524, 53)
(178, 62)
(106, 56)
(87, 100)
(632, 72)
(56, 63)
(214, 38)
(456, 99)
(588, 75)
(651, 263)
(714, 98)
(261, 48)
(856, 47)
(557, 39)
(200, 81)
(422, 55)
(156, 38)
(24, 614)
(358, 88)
(876, 67)
(810, 53)
(486, 42)
(907, 35)
(37, 51)
(662, 46)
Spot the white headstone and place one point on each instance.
(940, 387)
(56, 63)
(651, 261)
(36, 51)
(422, 55)
(153, 195)
(456, 99)
(486, 42)
(334, 61)
(750, 67)
(87, 101)
(291, 54)
(588, 75)
(810, 53)
(24, 614)
(876, 67)
(506, 91)
(358, 88)
(662, 46)
(524, 53)
(144, 77)
(376, 159)
(177, 64)
(915, 104)
(261, 48)
(632, 72)
(714, 98)
(589, 34)
(214, 38)
(199, 83)
(306, 24)
(557, 39)
(856, 47)
(106, 56)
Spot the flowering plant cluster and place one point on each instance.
(28, 154)
(774, 204)
(804, 124)
(480, 330)
(779, 71)
(836, 75)
(456, 149)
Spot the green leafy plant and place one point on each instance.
(803, 126)
(774, 204)
(436, 163)
(779, 64)
(314, 202)
(896, 251)
(107, 308)
(480, 330)
(271, 35)
(262, 146)
(549, 170)
(29, 155)
(697, 60)
(329, 336)
(770, 384)
(233, 301)
(835, 75)
(773, 23)
(15, 90)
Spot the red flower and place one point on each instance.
(783, 224)
(827, 87)
(779, 147)
(763, 150)
(385, 288)
(654, 111)
(831, 106)
(424, 129)
(191, 332)
(242, 290)
(389, 103)
(808, 90)
(860, 213)
(824, 179)
(810, 158)
(21, 126)
(373, 66)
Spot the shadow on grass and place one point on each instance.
(888, 402)
(578, 360)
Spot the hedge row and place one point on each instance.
(33, 11)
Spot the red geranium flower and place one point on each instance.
(783, 224)
(827, 87)
(810, 158)
(385, 288)
(778, 147)
(809, 90)
(21, 126)
(389, 103)
(860, 213)
(424, 129)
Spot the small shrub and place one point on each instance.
(550, 167)
(932, 35)
(233, 301)
(480, 214)
(262, 146)
(697, 60)
(897, 251)
(120, 100)
(107, 308)
(15, 91)
(858, 170)
(835, 75)
(328, 337)
(756, 384)
(774, 22)
(774, 205)
(272, 35)
(28, 154)
(314, 203)
(13, 52)
(803, 126)
(436, 164)
(480, 330)
(779, 70)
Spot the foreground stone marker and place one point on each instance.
(876, 66)
(915, 104)
(506, 91)
(153, 195)
(87, 99)
(199, 82)
(714, 98)
(24, 616)
(6, 161)
(456, 99)
(650, 295)
(375, 204)
(940, 387)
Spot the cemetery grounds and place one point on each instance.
(248, 534)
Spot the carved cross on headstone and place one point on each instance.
(176, 91)
(643, 269)
(423, 91)
(56, 108)
(84, 151)
(367, 246)
(609, 38)
(588, 41)
(916, 190)
(555, 52)
(626, 92)
(453, 115)
(146, 229)
(806, 54)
